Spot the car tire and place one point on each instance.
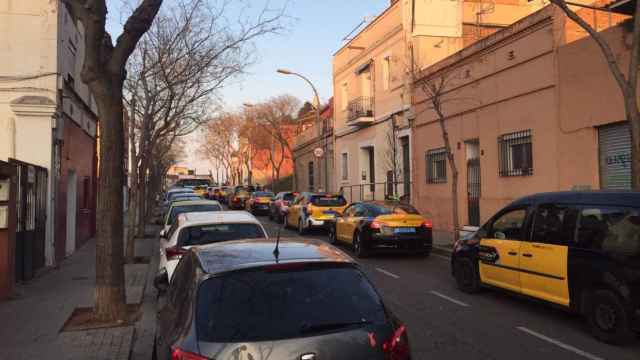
(608, 318)
(301, 229)
(331, 234)
(358, 247)
(466, 275)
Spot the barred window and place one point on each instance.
(345, 166)
(516, 156)
(436, 166)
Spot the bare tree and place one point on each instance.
(391, 156)
(627, 82)
(189, 54)
(104, 72)
(434, 89)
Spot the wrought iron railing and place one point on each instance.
(375, 191)
(360, 107)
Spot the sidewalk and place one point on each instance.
(32, 320)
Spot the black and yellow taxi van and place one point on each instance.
(579, 250)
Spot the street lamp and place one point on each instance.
(317, 106)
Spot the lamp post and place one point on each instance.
(317, 106)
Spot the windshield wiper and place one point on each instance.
(311, 328)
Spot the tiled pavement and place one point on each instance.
(31, 322)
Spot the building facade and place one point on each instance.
(313, 152)
(530, 108)
(47, 131)
(372, 81)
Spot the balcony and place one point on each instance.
(360, 111)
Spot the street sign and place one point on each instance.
(318, 152)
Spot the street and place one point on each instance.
(445, 323)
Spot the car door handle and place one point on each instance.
(527, 255)
(513, 253)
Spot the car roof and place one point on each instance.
(216, 217)
(241, 254)
(179, 189)
(599, 197)
(194, 202)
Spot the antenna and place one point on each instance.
(276, 251)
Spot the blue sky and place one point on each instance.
(315, 31)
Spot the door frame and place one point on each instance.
(72, 211)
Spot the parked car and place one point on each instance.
(279, 207)
(174, 191)
(200, 190)
(578, 250)
(180, 207)
(314, 210)
(309, 301)
(201, 228)
(238, 198)
(382, 226)
(177, 196)
(259, 202)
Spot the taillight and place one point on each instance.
(236, 199)
(175, 252)
(397, 348)
(427, 224)
(376, 225)
(179, 354)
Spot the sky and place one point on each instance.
(315, 31)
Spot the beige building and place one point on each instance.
(372, 84)
(530, 108)
(47, 129)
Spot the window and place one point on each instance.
(213, 233)
(86, 193)
(437, 166)
(350, 210)
(386, 73)
(509, 225)
(344, 97)
(345, 166)
(516, 157)
(554, 224)
(610, 229)
(311, 176)
(177, 210)
(271, 304)
(328, 200)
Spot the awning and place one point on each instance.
(363, 67)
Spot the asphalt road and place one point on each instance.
(445, 323)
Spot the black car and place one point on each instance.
(577, 250)
(242, 300)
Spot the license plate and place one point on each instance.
(404, 230)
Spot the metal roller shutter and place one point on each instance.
(615, 156)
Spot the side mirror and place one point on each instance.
(163, 234)
(161, 282)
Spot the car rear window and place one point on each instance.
(213, 233)
(289, 197)
(263, 194)
(328, 200)
(177, 210)
(264, 305)
(400, 209)
(242, 193)
(615, 230)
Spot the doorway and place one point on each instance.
(473, 182)
(406, 167)
(72, 204)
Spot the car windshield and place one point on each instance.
(177, 210)
(193, 182)
(213, 233)
(186, 198)
(289, 196)
(179, 193)
(263, 194)
(328, 200)
(398, 209)
(264, 305)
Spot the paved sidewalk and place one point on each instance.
(32, 320)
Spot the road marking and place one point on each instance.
(560, 344)
(388, 273)
(449, 298)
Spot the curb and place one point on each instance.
(442, 250)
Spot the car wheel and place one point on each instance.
(466, 276)
(301, 229)
(332, 234)
(358, 247)
(608, 318)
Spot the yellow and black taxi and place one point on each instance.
(259, 202)
(579, 250)
(314, 210)
(238, 198)
(201, 190)
(382, 226)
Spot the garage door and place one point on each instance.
(615, 156)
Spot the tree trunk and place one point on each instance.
(142, 180)
(132, 217)
(110, 287)
(454, 179)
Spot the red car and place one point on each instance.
(280, 205)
